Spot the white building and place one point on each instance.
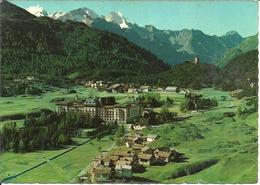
(151, 137)
(170, 89)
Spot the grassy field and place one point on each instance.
(29, 103)
(218, 149)
(62, 169)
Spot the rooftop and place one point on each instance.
(115, 86)
(137, 146)
(101, 170)
(164, 154)
(145, 148)
(145, 156)
(144, 87)
(153, 136)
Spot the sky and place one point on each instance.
(212, 17)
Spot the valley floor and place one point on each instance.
(216, 148)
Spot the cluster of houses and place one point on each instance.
(121, 163)
(124, 88)
(25, 79)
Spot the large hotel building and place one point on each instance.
(124, 113)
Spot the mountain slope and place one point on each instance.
(249, 44)
(193, 75)
(186, 75)
(240, 73)
(8, 10)
(172, 47)
(51, 48)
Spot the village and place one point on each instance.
(134, 157)
(136, 153)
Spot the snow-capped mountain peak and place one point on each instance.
(89, 13)
(57, 15)
(117, 18)
(84, 15)
(37, 11)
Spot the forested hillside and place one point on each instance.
(248, 44)
(241, 73)
(53, 49)
(187, 75)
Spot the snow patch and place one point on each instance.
(117, 18)
(37, 11)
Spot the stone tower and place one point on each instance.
(196, 60)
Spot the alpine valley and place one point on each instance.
(89, 98)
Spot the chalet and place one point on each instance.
(124, 153)
(133, 136)
(129, 143)
(121, 163)
(116, 88)
(100, 174)
(129, 159)
(137, 148)
(144, 159)
(147, 150)
(152, 137)
(112, 160)
(90, 84)
(134, 139)
(159, 89)
(182, 92)
(170, 89)
(145, 88)
(123, 169)
(138, 127)
(127, 171)
(106, 162)
(163, 154)
(132, 90)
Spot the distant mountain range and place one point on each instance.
(172, 47)
(53, 49)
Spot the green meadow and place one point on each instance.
(28, 103)
(62, 169)
(216, 148)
